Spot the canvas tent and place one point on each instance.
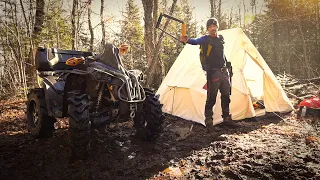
(182, 93)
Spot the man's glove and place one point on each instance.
(228, 64)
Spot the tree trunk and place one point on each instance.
(19, 54)
(38, 23)
(30, 61)
(244, 14)
(253, 4)
(34, 38)
(306, 63)
(219, 11)
(275, 47)
(155, 74)
(155, 18)
(103, 41)
(58, 34)
(230, 19)
(148, 30)
(317, 30)
(239, 14)
(74, 24)
(213, 8)
(90, 26)
(288, 66)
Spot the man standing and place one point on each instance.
(215, 65)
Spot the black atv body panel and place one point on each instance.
(51, 59)
(54, 95)
(48, 62)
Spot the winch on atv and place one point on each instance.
(92, 90)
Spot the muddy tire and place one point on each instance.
(39, 123)
(79, 124)
(148, 122)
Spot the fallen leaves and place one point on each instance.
(12, 116)
(311, 139)
(173, 171)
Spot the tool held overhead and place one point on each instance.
(183, 25)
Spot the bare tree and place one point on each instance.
(219, 11)
(253, 4)
(155, 15)
(30, 61)
(213, 8)
(239, 13)
(306, 55)
(90, 25)
(74, 24)
(103, 42)
(244, 14)
(230, 19)
(39, 18)
(148, 29)
(152, 51)
(317, 27)
(13, 48)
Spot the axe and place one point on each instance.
(183, 25)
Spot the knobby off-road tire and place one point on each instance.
(148, 123)
(79, 124)
(39, 123)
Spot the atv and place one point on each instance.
(92, 90)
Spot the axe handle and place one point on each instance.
(183, 29)
(173, 18)
(171, 35)
(159, 20)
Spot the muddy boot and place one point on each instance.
(227, 120)
(209, 124)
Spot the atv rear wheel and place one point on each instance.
(148, 123)
(79, 124)
(39, 123)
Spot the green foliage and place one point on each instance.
(287, 36)
(248, 18)
(171, 47)
(132, 34)
(57, 29)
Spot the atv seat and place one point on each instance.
(51, 59)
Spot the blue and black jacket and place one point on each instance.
(213, 50)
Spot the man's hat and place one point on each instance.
(212, 21)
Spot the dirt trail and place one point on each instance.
(267, 148)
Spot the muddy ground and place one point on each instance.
(265, 148)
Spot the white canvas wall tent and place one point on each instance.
(182, 93)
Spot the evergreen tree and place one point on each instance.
(132, 34)
(287, 36)
(172, 47)
(56, 31)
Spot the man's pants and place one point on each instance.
(219, 81)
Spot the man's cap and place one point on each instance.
(212, 21)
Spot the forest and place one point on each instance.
(286, 33)
(49, 126)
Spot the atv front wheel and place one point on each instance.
(79, 124)
(39, 123)
(148, 123)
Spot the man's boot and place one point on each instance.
(227, 118)
(209, 124)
